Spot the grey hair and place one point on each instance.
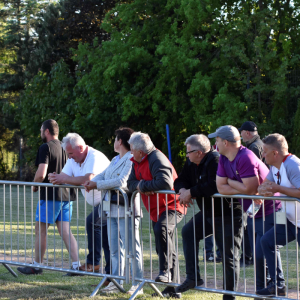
(141, 141)
(276, 140)
(199, 141)
(74, 139)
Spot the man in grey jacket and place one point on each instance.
(251, 138)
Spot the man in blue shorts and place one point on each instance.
(54, 205)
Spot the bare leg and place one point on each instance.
(40, 243)
(67, 236)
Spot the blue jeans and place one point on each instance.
(260, 264)
(117, 242)
(94, 255)
(268, 246)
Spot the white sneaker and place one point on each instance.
(133, 289)
(110, 289)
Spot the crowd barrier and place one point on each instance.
(17, 236)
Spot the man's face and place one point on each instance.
(192, 154)
(245, 135)
(270, 154)
(43, 136)
(75, 153)
(137, 154)
(220, 144)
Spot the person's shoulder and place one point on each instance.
(245, 153)
(96, 154)
(54, 145)
(158, 157)
(44, 147)
(292, 162)
(212, 157)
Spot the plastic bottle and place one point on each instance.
(249, 211)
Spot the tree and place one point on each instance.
(195, 65)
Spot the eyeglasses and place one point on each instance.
(191, 151)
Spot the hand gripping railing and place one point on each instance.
(14, 206)
(214, 289)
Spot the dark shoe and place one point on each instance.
(73, 274)
(248, 262)
(164, 276)
(89, 268)
(169, 292)
(188, 284)
(270, 291)
(210, 258)
(30, 271)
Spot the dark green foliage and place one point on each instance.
(195, 65)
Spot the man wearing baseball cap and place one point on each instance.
(240, 171)
(251, 138)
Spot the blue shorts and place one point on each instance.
(62, 211)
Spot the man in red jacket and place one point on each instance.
(152, 171)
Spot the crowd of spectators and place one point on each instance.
(264, 167)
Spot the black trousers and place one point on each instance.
(165, 238)
(229, 250)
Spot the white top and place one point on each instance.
(95, 162)
(289, 177)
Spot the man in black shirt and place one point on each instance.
(51, 158)
(198, 180)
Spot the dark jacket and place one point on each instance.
(201, 180)
(154, 173)
(256, 146)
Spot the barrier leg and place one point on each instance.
(136, 291)
(95, 291)
(156, 289)
(10, 270)
(117, 285)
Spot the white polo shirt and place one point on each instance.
(94, 163)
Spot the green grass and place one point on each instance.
(52, 285)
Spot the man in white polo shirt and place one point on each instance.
(83, 164)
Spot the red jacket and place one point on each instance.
(154, 173)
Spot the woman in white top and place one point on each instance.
(116, 176)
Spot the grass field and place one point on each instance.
(17, 237)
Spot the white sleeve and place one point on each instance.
(68, 168)
(96, 164)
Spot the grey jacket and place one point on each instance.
(256, 146)
(116, 176)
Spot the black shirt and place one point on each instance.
(201, 180)
(54, 156)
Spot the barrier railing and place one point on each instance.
(17, 236)
(18, 232)
(212, 278)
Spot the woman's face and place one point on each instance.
(117, 145)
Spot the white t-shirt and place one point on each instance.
(289, 177)
(94, 163)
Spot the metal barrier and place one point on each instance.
(212, 277)
(18, 231)
(17, 237)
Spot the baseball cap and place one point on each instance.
(249, 126)
(227, 132)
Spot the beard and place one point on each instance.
(44, 138)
